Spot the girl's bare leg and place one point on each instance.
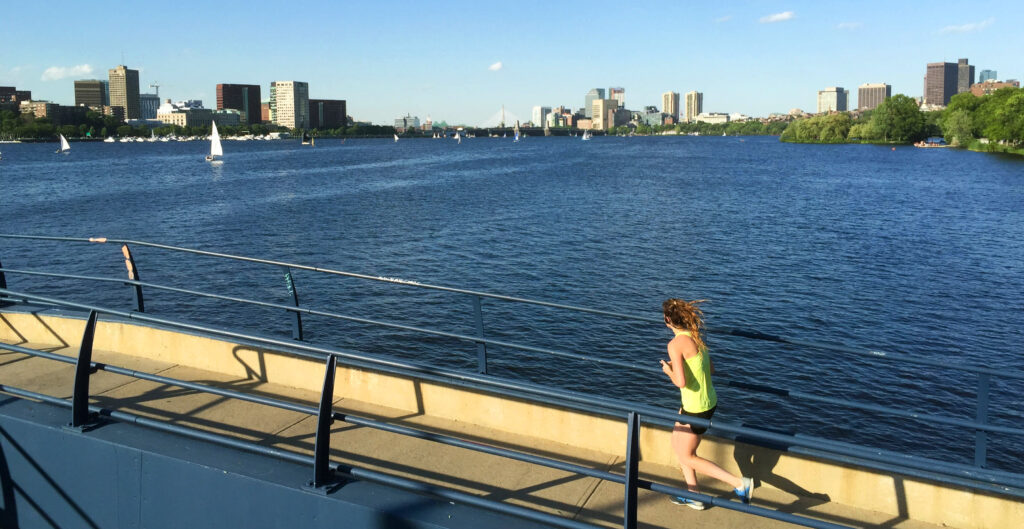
(685, 442)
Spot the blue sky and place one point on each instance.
(389, 58)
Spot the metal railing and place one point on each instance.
(982, 429)
(326, 474)
(295, 310)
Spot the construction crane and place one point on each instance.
(156, 84)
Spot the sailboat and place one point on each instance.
(586, 135)
(516, 138)
(396, 138)
(458, 137)
(305, 139)
(215, 149)
(64, 146)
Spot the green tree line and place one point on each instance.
(992, 122)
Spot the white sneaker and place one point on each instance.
(693, 504)
(746, 490)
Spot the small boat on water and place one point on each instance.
(586, 135)
(931, 145)
(65, 147)
(109, 139)
(396, 138)
(215, 148)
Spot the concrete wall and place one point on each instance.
(862, 488)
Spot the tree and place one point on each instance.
(958, 127)
(898, 119)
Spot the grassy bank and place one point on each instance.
(977, 146)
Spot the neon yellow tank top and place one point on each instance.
(699, 394)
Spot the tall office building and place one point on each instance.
(670, 105)
(870, 95)
(124, 90)
(148, 105)
(327, 114)
(964, 76)
(694, 105)
(90, 93)
(244, 98)
(289, 104)
(943, 80)
(603, 111)
(539, 116)
(987, 75)
(618, 94)
(588, 101)
(833, 98)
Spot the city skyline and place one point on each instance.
(456, 63)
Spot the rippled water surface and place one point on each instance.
(914, 251)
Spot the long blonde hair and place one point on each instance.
(686, 315)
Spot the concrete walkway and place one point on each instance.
(541, 488)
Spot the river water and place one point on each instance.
(914, 251)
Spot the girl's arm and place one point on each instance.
(674, 367)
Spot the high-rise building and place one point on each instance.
(987, 75)
(603, 111)
(618, 94)
(870, 95)
(90, 93)
(588, 101)
(964, 76)
(407, 122)
(10, 94)
(148, 105)
(327, 114)
(124, 90)
(539, 116)
(244, 98)
(694, 105)
(289, 104)
(670, 104)
(833, 98)
(943, 80)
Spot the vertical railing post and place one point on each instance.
(632, 470)
(322, 474)
(133, 274)
(3, 284)
(981, 417)
(80, 416)
(481, 347)
(289, 282)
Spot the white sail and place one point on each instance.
(396, 137)
(215, 149)
(64, 146)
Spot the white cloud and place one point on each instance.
(967, 28)
(54, 73)
(777, 17)
(849, 25)
(495, 67)
(726, 18)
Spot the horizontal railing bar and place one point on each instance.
(354, 472)
(352, 419)
(610, 407)
(797, 394)
(355, 420)
(898, 357)
(576, 356)
(408, 484)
